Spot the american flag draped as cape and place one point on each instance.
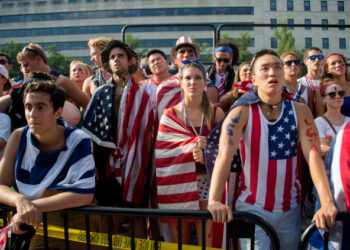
(175, 167)
(338, 167)
(130, 139)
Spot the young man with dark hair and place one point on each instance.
(120, 120)
(50, 165)
(270, 128)
(221, 74)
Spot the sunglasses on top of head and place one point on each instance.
(333, 94)
(319, 57)
(225, 60)
(290, 62)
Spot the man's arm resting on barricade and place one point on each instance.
(231, 133)
(310, 143)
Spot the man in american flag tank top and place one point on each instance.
(270, 128)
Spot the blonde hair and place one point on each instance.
(75, 62)
(100, 42)
(31, 51)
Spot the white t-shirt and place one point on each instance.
(324, 129)
(5, 129)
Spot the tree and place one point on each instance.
(11, 49)
(285, 40)
(134, 42)
(242, 42)
(57, 61)
(206, 51)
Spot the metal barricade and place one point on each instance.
(312, 228)
(152, 214)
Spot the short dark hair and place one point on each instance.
(57, 95)
(7, 57)
(263, 53)
(235, 50)
(156, 51)
(306, 53)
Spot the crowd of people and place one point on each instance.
(135, 136)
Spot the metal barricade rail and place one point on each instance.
(305, 237)
(150, 213)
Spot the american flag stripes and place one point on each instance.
(270, 177)
(130, 158)
(168, 94)
(175, 167)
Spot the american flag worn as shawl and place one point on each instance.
(131, 142)
(175, 167)
(338, 168)
(168, 94)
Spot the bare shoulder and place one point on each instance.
(302, 109)
(240, 111)
(219, 115)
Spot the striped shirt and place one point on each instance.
(69, 169)
(270, 177)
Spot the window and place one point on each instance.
(325, 22)
(290, 21)
(341, 22)
(73, 1)
(308, 42)
(8, 5)
(251, 42)
(325, 43)
(273, 21)
(307, 6)
(290, 6)
(40, 3)
(342, 43)
(340, 5)
(307, 21)
(24, 4)
(273, 5)
(324, 6)
(57, 2)
(273, 43)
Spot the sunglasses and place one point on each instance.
(3, 61)
(290, 62)
(341, 93)
(319, 57)
(225, 60)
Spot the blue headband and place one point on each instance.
(192, 61)
(224, 49)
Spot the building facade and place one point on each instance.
(69, 24)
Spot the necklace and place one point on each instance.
(193, 128)
(270, 106)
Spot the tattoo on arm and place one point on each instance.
(311, 135)
(229, 128)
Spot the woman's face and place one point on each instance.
(334, 96)
(245, 73)
(291, 65)
(336, 65)
(78, 73)
(193, 82)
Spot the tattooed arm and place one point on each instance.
(231, 134)
(310, 143)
